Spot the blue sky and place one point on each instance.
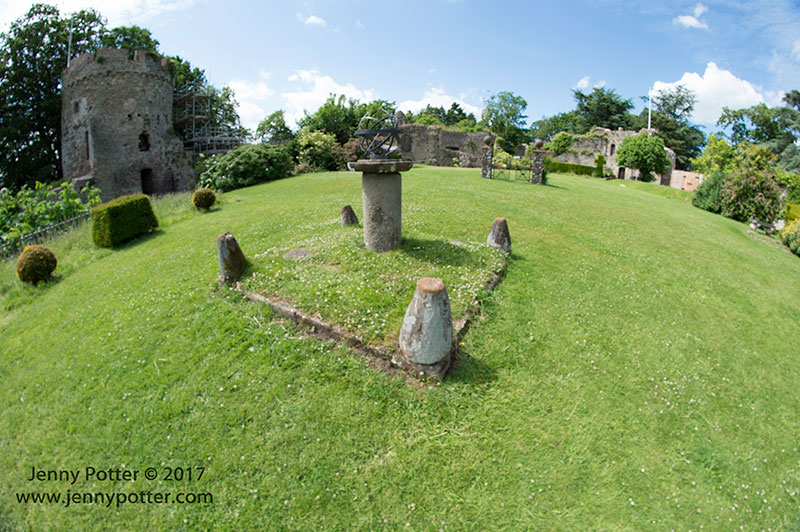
(291, 55)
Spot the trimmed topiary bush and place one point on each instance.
(36, 263)
(600, 164)
(122, 219)
(204, 198)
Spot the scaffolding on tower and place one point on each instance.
(193, 123)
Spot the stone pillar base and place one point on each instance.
(382, 195)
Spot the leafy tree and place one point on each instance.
(504, 115)
(456, 115)
(602, 108)
(187, 77)
(673, 107)
(717, 155)
(644, 153)
(547, 128)
(677, 103)
(32, 56)
(340, 116)
(681, 137)
(129, 37)
(777, 128)
(222, 110)
(427, 119)
(792, 99)
(274, 129)
(337, 116)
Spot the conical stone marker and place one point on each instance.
(498, 236)
(426, 337)
(232, 261)
(348, 216)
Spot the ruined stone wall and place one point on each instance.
(438, 146)
(116, 124)
(605, 141)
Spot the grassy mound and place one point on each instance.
(635, 370)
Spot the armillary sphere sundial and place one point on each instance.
(378, 134)
(381, 187)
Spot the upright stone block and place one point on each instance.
(488, 157)
(381, 194)
(232, 261)
(537, 171)
(498, 235)
(348, 216)
(426, 336)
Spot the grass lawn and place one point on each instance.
(636, 369)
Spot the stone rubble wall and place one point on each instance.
(437, 146)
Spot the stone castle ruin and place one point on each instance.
(440, 147)
(116, 125)
(605, 142)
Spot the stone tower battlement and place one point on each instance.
(108, 61)
(116, 124)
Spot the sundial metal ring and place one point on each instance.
(378, 134)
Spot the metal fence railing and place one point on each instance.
(12, 245)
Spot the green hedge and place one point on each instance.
(122, 219)
(554, 166)
(792, 212)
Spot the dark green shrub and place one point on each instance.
(751, 193)
(600, 163)
(204, 198)
(792, 212)
(246, 165)
(121, 219)
(35, 264)
(706, 196)
(570, 168)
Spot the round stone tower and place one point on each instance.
(116, 124)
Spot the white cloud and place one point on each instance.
(693, 20)
(585, 82)
(311, 20)
(796, 50)
(699, 9)
(317, 88)
(359, 25)
(582, 83)
(436, 97)
(251, 96)
(118, 13)
(715, 89)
